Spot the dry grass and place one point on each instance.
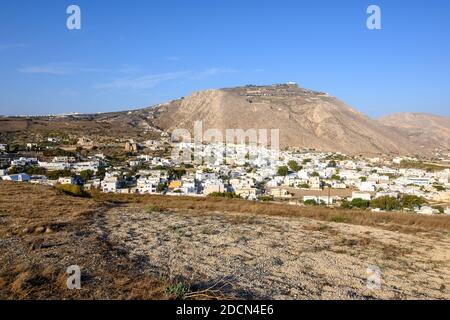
(43, 231)
(395, 221)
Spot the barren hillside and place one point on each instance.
(426, 131)
(305, 118)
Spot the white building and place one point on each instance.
(146, 185)
(51, 166)
(368, 186)
(66, 180)
(110, 184)
(21, 177)
(213, 187)
(426, 210)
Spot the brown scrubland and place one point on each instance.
(159, 247)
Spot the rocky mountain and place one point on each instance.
(305, 118)
(426, 131)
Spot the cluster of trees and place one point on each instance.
(30, 170)
(312, 203)
(57, 152)
(176, 173)
(283, 171)
(228, 195)
(294, 166)
(387, 203)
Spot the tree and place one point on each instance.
(176, 173)
(315, 174)
(386, 203)
(55, 175)
(411, 201)
(360, 203)
(86, 174)
(282, 171)
(228, 195)
(335, 177)
(332, 164)
(294, 166)
(310, 202)
(161, 187)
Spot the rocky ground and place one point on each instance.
(262, 257)
(165, 248)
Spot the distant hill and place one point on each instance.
(305, 118)
(423, 130)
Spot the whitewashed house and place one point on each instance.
(145, 185)
(110, 184)
(368, 186)
(21, 177)
(213, 186)
(427, 210)
(66, 180)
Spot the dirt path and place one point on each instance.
(282, 258)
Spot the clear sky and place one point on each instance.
(136, 53)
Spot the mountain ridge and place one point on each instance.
(306, 119)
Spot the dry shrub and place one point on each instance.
(395, 221)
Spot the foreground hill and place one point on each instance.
(154, 247)
(426, 131)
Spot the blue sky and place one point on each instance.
(132, 54)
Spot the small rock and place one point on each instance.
(48, 230)
(39, 230)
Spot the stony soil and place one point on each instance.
(262, 257)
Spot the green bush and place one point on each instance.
(310, 202)
(294, 166)
(56, 174)
(410, 201)
(282, 171)
(360, 203)
(386, 203)
(178, 290)
(73, 190)
(228, 195)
